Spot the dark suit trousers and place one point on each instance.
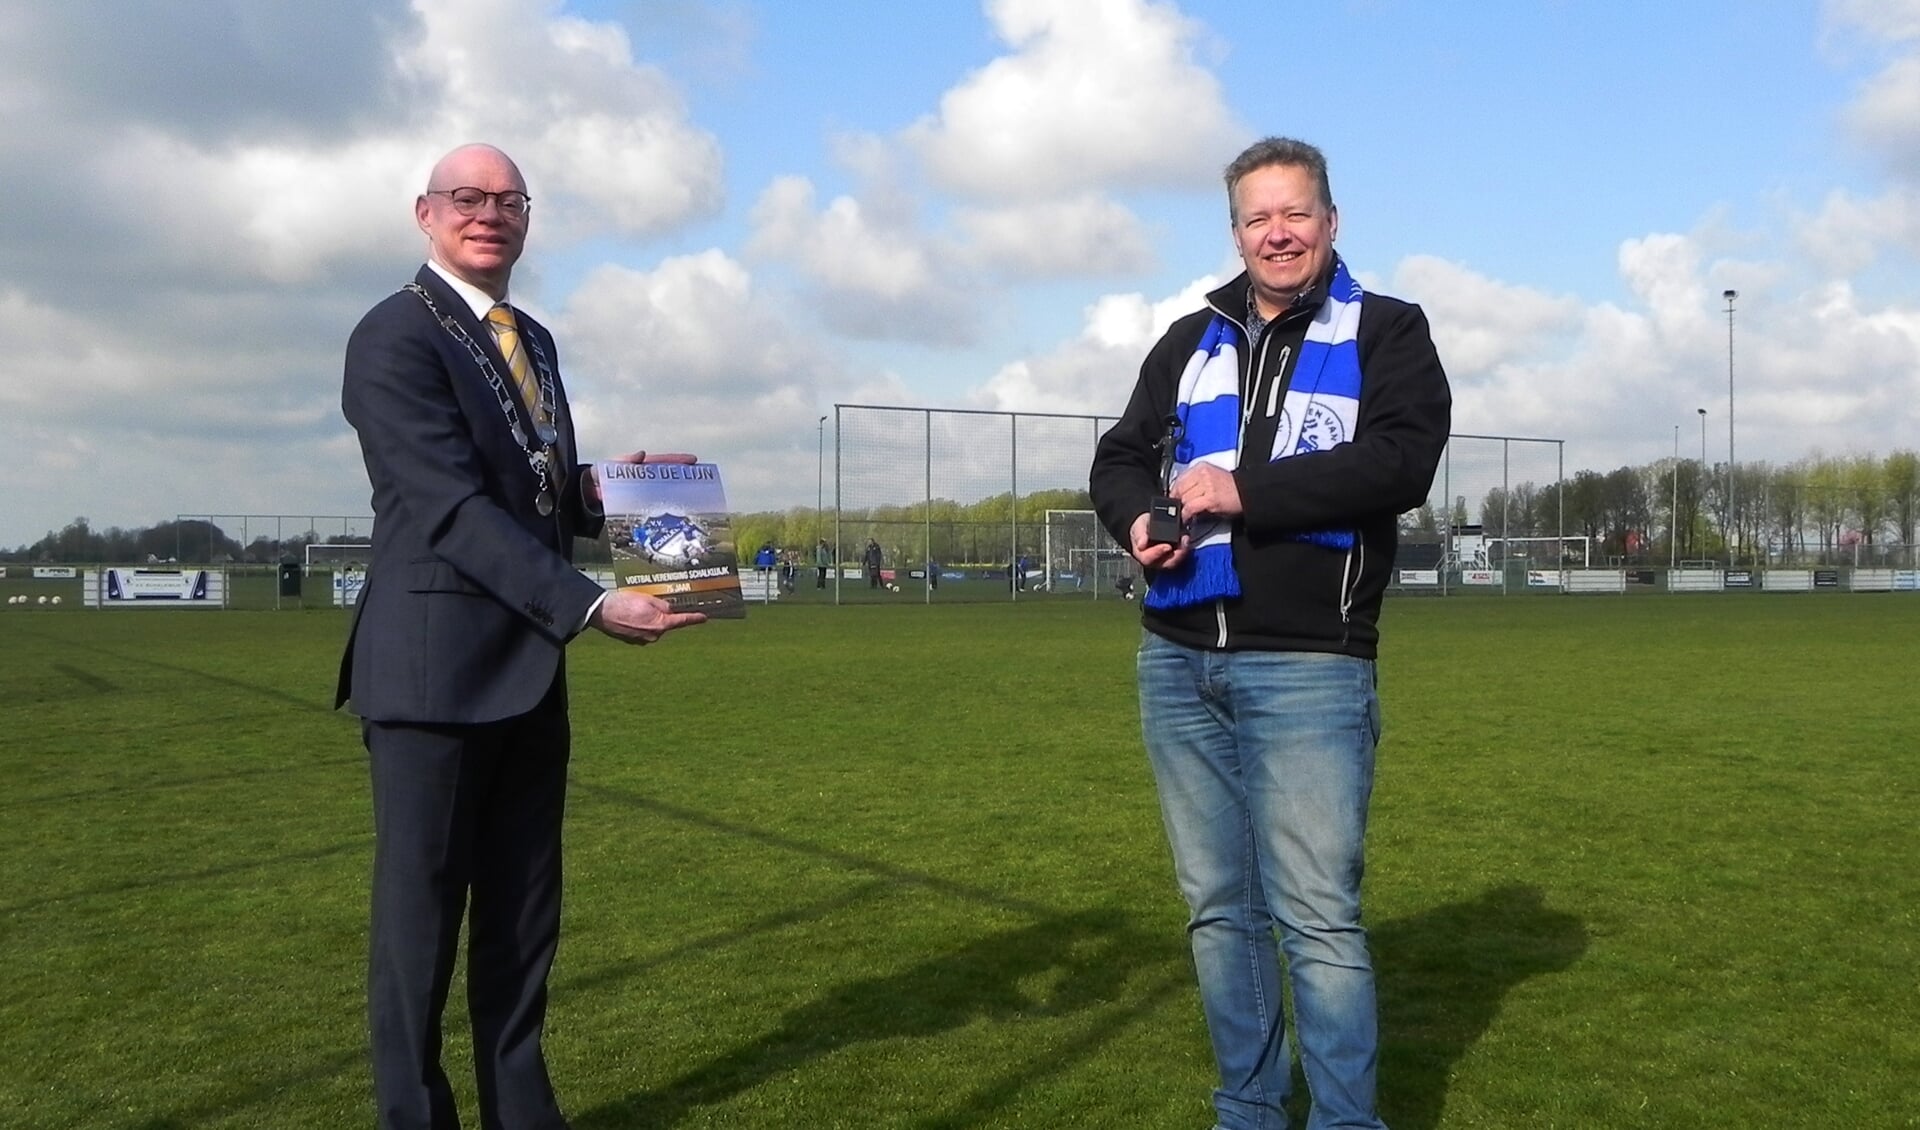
(463, 811)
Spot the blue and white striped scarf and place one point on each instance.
(1321, 409)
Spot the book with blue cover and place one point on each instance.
(671, 536)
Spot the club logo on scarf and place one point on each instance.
(1322, 430)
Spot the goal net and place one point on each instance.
(1081, 559)
(345, 566)
(1571, 552)
(337, 558)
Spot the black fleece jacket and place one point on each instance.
(1295, 596)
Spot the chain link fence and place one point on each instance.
(980, 505)
(930, 504)
(1495, 519)
(938, 504)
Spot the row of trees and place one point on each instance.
(190, 540)
(991, 531)
(979, 531)
(1818, 508)
(1815, 509)
(78, 542)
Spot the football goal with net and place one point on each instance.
(1079, 557)
(343, 564)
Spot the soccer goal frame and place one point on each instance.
(1562, 544)
(334, 555)
(1064, 532)
(1080, 558)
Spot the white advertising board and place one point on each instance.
(1873, 580)
(1479, 577)
(1787, 580)
(1695, 580)
(1595, 580)
(154, 588)
(347, 584)
(1419, 576)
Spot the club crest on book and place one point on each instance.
(673, 540)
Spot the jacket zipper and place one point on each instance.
(1348, 589)
(1273, 390)
(1276, 388)
(1257, 370)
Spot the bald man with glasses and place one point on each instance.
(455, 664)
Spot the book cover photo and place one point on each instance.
(670, 535)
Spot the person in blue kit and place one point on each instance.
(1297, 415)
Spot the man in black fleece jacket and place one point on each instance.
(1311, 415)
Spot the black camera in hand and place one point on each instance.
(1163, 521)
(1164, 525)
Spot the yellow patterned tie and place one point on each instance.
(506, 334)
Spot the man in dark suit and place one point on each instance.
(455, 664)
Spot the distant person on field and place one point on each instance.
(456, 660)
(1311, 414)
(822, 561)
(872, 560)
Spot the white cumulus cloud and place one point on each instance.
(207, 200)
(1093, 372)
(688, 357)
(1095, 93)
(871, 275)
(1086, 235)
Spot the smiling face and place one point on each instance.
(1284, 232)
(481, 248)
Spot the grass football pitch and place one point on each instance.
(1633, 863)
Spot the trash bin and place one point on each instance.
(289, 578)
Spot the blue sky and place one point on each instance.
(747, 212)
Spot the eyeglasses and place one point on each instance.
(468, 201)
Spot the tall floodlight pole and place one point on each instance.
(1673, 520)
(819, 474)
(1703, 455)
(1730, 295)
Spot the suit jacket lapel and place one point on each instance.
(451, 303)
(564, 455)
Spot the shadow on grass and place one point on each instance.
(320, 703)
(852, 861)
(1443, 976)
(1061, 965)
(87, 679)
(707, 944)
(268, 863)
(261, 1093)
(157, 782)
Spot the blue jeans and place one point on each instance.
(1264, 766)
